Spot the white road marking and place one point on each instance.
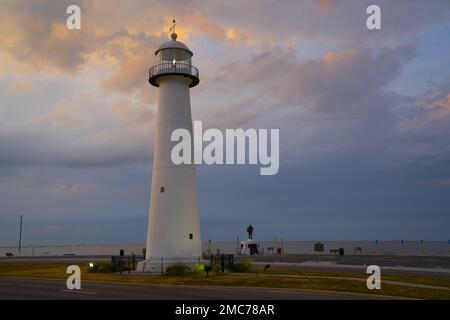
(78, 291)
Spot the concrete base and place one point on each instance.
(249, 247)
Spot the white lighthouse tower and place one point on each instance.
(174, 226)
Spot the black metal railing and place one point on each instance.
(125, 263)
(174, 67)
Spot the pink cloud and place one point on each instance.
(23, 86)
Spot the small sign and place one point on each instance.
(319, 247)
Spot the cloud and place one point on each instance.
(327, 5)
(202, 24)
(58, 187)
(351, 145)
(23, 86)
(137, 55)
(242, 113)
(423, 128)
(348, 85)
(344, 21)
(441, 183)
(340, 103)
(35, 35)
(432, 109)
(343, 91)
(83, 132)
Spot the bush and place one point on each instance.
(242, 266)
(199, 267)
(177, 269)
(216, 267)
(101, 268)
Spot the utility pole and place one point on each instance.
(20, 232)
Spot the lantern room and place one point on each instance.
(173, 58)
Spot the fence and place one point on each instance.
(226, 261)
(160, 264)
(124, 263)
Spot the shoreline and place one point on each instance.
(267, 248)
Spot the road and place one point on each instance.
(46, 289)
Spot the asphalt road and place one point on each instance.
(26, 289)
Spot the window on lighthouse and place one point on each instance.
(191, 236)
(174, 58)
(162, 189)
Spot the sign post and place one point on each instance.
(422, 249)
(319, 248)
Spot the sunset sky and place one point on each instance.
(364, 117)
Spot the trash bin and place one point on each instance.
(341, 251)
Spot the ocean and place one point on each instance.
(414, 248)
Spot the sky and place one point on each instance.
(364, 117)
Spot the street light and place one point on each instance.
(20, 232)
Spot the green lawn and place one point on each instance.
(433, 280)
(58, 271)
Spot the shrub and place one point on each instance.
(101, 268)
(199, 267)
(177, 269)
(216, 267)
(242, 266)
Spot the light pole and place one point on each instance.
(20, 232)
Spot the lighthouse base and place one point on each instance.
(160, 264)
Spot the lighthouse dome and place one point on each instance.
(174, 44)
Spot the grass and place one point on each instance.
(432, 280)
(58, 271)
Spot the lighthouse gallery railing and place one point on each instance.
(177, 67)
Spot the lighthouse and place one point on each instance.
(174, 225)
